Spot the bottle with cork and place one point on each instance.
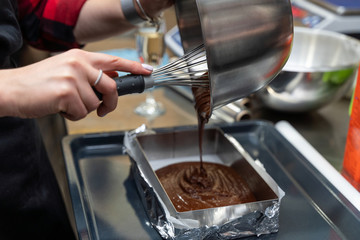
(351, 163)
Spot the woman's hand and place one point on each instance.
(63, 83)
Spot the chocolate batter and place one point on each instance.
(203, 109)
(217, 185)
(193, 186)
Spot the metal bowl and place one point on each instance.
(321, 69)
(247, 42)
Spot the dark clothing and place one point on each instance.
(31, 206)
(10, 35)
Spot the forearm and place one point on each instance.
(99, 19)
(7, 92)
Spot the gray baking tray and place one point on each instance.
(106, 204)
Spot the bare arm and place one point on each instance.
(99, 19)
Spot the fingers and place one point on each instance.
(87, 74)
(107, 87)
(112, 74)
(112, 63)
(76, 97)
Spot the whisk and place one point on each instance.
(189, 70)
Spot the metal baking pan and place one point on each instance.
(106, 204)
(151, 151)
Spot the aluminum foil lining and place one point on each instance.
(258, 218)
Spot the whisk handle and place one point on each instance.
(126, 85)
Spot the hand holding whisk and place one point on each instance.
(189, 70)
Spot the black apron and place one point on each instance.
(31, 206)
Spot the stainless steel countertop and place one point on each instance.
(107, 206)
(325, 129)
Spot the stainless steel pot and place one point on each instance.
(321, 69)
(247, 42)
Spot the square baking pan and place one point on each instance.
(106, 203)
(151, 152)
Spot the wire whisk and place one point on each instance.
(189, 70)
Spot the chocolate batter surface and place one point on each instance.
(191, 187)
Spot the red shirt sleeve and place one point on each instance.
(49, 24)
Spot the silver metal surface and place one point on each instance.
(247, 42)
(106, 204)
(234, 111)
(153, 151)
(322, 68)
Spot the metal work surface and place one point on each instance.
(151, 152)
(107, 206)
(325, 129)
